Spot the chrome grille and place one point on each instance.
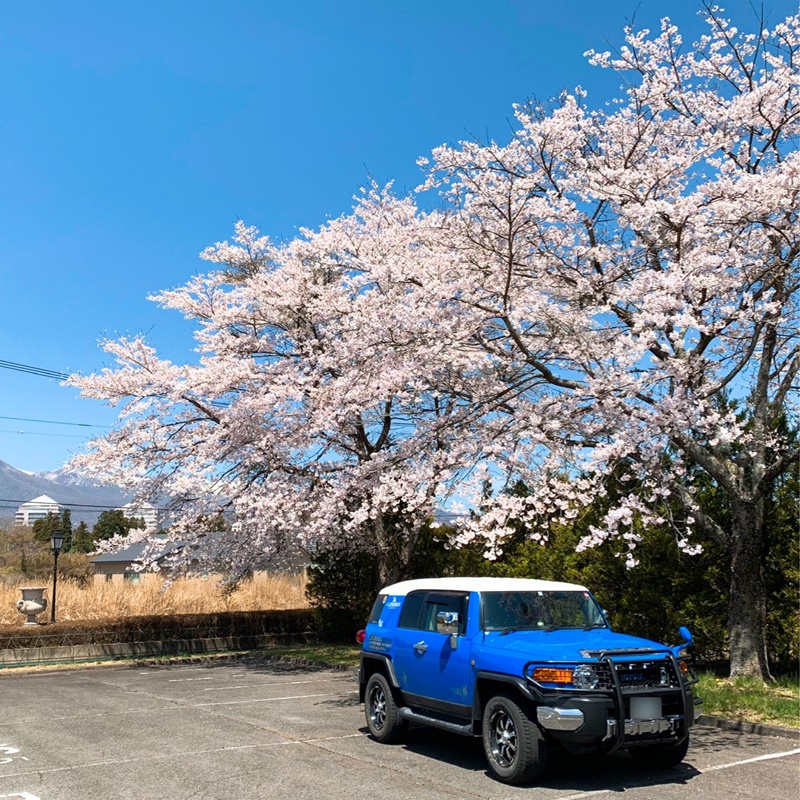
(646, 674)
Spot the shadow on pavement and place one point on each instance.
(564, 772)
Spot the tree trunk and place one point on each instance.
(395, 548)
(388, 568)
(747, 619)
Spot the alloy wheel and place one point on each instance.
(503, 738)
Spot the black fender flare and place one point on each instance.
(520, 684)
(386, 666)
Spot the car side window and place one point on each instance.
(409, 616)
(377, 608)
(420, 609)
(439, 601)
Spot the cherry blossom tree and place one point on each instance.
(613, 291)
(303, 419)
(631, 275)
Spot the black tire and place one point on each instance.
(515, 748)
(660, 756)
(383, 718)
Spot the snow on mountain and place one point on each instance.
(85, 498)
(65, 477)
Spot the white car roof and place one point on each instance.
(481, 585)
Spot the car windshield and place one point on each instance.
(509, 611)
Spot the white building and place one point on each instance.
(141, 511)
(38, 508)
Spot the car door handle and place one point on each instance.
(420, 647)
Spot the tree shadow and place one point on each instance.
(712, 740)
(341, 702)
(263, 663)
(565, 772)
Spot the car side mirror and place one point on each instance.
(447, 623)
(687, 640)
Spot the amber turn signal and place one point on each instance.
(552, 675)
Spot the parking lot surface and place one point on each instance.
(260, 729)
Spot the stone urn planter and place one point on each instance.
(33, 602)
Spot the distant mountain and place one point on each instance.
(65, 477)
(86, 499)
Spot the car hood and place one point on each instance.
(566, 644)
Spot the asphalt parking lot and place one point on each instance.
(259, 729)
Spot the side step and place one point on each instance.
(434, 722)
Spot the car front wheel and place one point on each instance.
(515, 748)
(383, 717)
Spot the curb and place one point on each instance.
(39, 656)
(307, 662)
(154, 659)
(740, 726)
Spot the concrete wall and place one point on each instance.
(119, 572)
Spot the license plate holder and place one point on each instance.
(645, 708)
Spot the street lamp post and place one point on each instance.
(56, 543)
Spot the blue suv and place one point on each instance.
(524, 664)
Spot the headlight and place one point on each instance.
(584, 677)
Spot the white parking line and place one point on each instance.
(263, 700)
(23, 795)
(163, 756)
(183, 669)
(333, 738)
(259, 685)
(170, 706)
(184, 680)
(767, 757)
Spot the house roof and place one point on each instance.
(134, 552)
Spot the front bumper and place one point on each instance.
(642, 727)
(612, 717)
(560, 719)
(574, 719)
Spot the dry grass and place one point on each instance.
(117, 599)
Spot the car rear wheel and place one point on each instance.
(383, 717)
(515, 748)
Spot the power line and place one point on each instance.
(55, 422)
(41, 371)
(80, 505)
(62, 376)
(40, 433)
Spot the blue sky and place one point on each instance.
(134, 135)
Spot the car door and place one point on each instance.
(432, 672)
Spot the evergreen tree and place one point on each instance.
(115, 523)
(43, 529)
(66, 529)
(82, 539)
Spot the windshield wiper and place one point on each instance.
(516, 628)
